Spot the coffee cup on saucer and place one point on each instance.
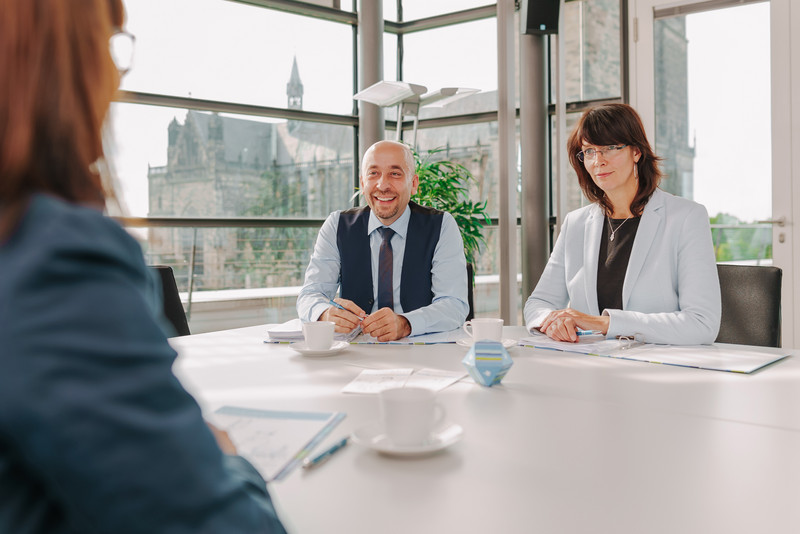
(484, 329)
(410, 415)
(318, 334)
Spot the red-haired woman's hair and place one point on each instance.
(614, 124)
(57, 79)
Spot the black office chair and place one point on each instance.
(173, 308)
(751, 305)
(470, 296)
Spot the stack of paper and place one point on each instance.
(288, 331)
(292, 331)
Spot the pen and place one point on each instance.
(322, 457)
(337, 305)
(589, 333)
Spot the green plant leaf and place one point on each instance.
(444, 185)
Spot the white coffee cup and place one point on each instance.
(484, 328)
(318, 334)
(410, 415)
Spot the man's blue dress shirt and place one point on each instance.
(448, 274)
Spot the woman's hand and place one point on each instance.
(223, 439)
(562, 325)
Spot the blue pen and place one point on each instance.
(313, 462)
(337, 305)
(589, 333)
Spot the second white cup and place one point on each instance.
(410, 415)
(318, 334)
(485, 328)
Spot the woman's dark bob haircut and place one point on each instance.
(614, 124)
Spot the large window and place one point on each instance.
(227, 51)
(185, 163)
(235, 136)
(462, 55)
(228, 146)
(592, 60)
(713, 124)
(592, 50)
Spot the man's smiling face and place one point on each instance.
(388, 180)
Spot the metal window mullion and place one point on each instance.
(151, 99)
(305, 9)
(700, 7)
(356, 159)
(440, 21)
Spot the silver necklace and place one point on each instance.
(614, 230)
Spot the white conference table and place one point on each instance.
(567, 443)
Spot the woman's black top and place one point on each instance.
(613, 261)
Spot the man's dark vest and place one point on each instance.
(424, 227)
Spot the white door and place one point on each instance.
(712, 81)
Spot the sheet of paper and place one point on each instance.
(275, 442)
(376, 380)
(434, 379)
(451, 336)
(372, 381)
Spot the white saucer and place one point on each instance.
(374, 437)
(300, 346)
(467, 342)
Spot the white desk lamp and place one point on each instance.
(409, 97)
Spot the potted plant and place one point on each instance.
(444, 185)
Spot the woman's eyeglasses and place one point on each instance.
(590, 154)
(121, 46)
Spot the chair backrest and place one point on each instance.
(173, 308)
(470, 295)
(751, 305)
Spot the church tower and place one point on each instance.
(294, 89)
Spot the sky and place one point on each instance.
(729, 110)
(227, 51)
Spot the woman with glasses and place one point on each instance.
(96, 433)
(637, 261)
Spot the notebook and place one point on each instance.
(275, 442)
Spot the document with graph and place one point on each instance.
(717, 357)
(275, 442)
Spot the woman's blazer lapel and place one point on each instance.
(591, 252)
(652, 220)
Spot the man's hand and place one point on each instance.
(386, 325)
(345, 319)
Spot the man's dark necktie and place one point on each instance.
(385, 261)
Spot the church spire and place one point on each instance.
(294, 89)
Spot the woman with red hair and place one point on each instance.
(96, 433)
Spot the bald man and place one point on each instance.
(428, 271)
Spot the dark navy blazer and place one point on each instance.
(96, 433)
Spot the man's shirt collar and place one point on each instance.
(400, 226)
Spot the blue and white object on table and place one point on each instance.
(487, 362)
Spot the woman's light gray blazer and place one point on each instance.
(671, 290)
